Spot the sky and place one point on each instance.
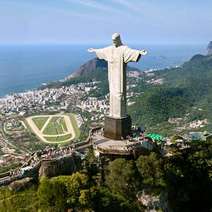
(94, 21)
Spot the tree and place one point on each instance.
(90, 164)
(52, 194)
(150, 169)
(63, 192)
(122, 178)
(104, 200)
(188, 181)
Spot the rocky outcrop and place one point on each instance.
(209, 48)
(22, 184)
(93, 65)
(64, 165)
(153, 202)
(61, 166)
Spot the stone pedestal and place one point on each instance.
(117, 128)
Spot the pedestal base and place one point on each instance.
(117, 128)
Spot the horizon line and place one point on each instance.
(101, 43)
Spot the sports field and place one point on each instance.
(60, 128)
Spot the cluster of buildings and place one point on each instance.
(158, 81)
(48, 99)
(100, 107)
(198, 124)
(12, 159)
(31, 101)
(93, 104)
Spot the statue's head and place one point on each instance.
(116, 38)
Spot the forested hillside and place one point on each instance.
(186, 91)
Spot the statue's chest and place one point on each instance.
(115, 56)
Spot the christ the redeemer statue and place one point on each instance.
(117, 56)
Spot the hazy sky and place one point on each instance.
(93, 21)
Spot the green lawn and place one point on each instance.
(55, 126)
(40, 121)
(58, 138)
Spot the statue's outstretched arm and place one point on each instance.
(100, 53)
(143, 52)
(92, 50)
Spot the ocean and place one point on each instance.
(24, 67)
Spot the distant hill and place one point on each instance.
(93, 65)
(88, 67)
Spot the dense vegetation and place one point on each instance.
(182, 182)
(187, 89)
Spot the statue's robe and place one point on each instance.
(117, 58)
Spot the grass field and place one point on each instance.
(55, 126)
(40, 121)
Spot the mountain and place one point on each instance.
(93, 65)
(89, 67)
(210, 48)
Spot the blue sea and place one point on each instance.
(24, 67)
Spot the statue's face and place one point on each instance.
(116, 40)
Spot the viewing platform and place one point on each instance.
(107, 146)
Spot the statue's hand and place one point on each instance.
(91, 50)
(143, 52)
